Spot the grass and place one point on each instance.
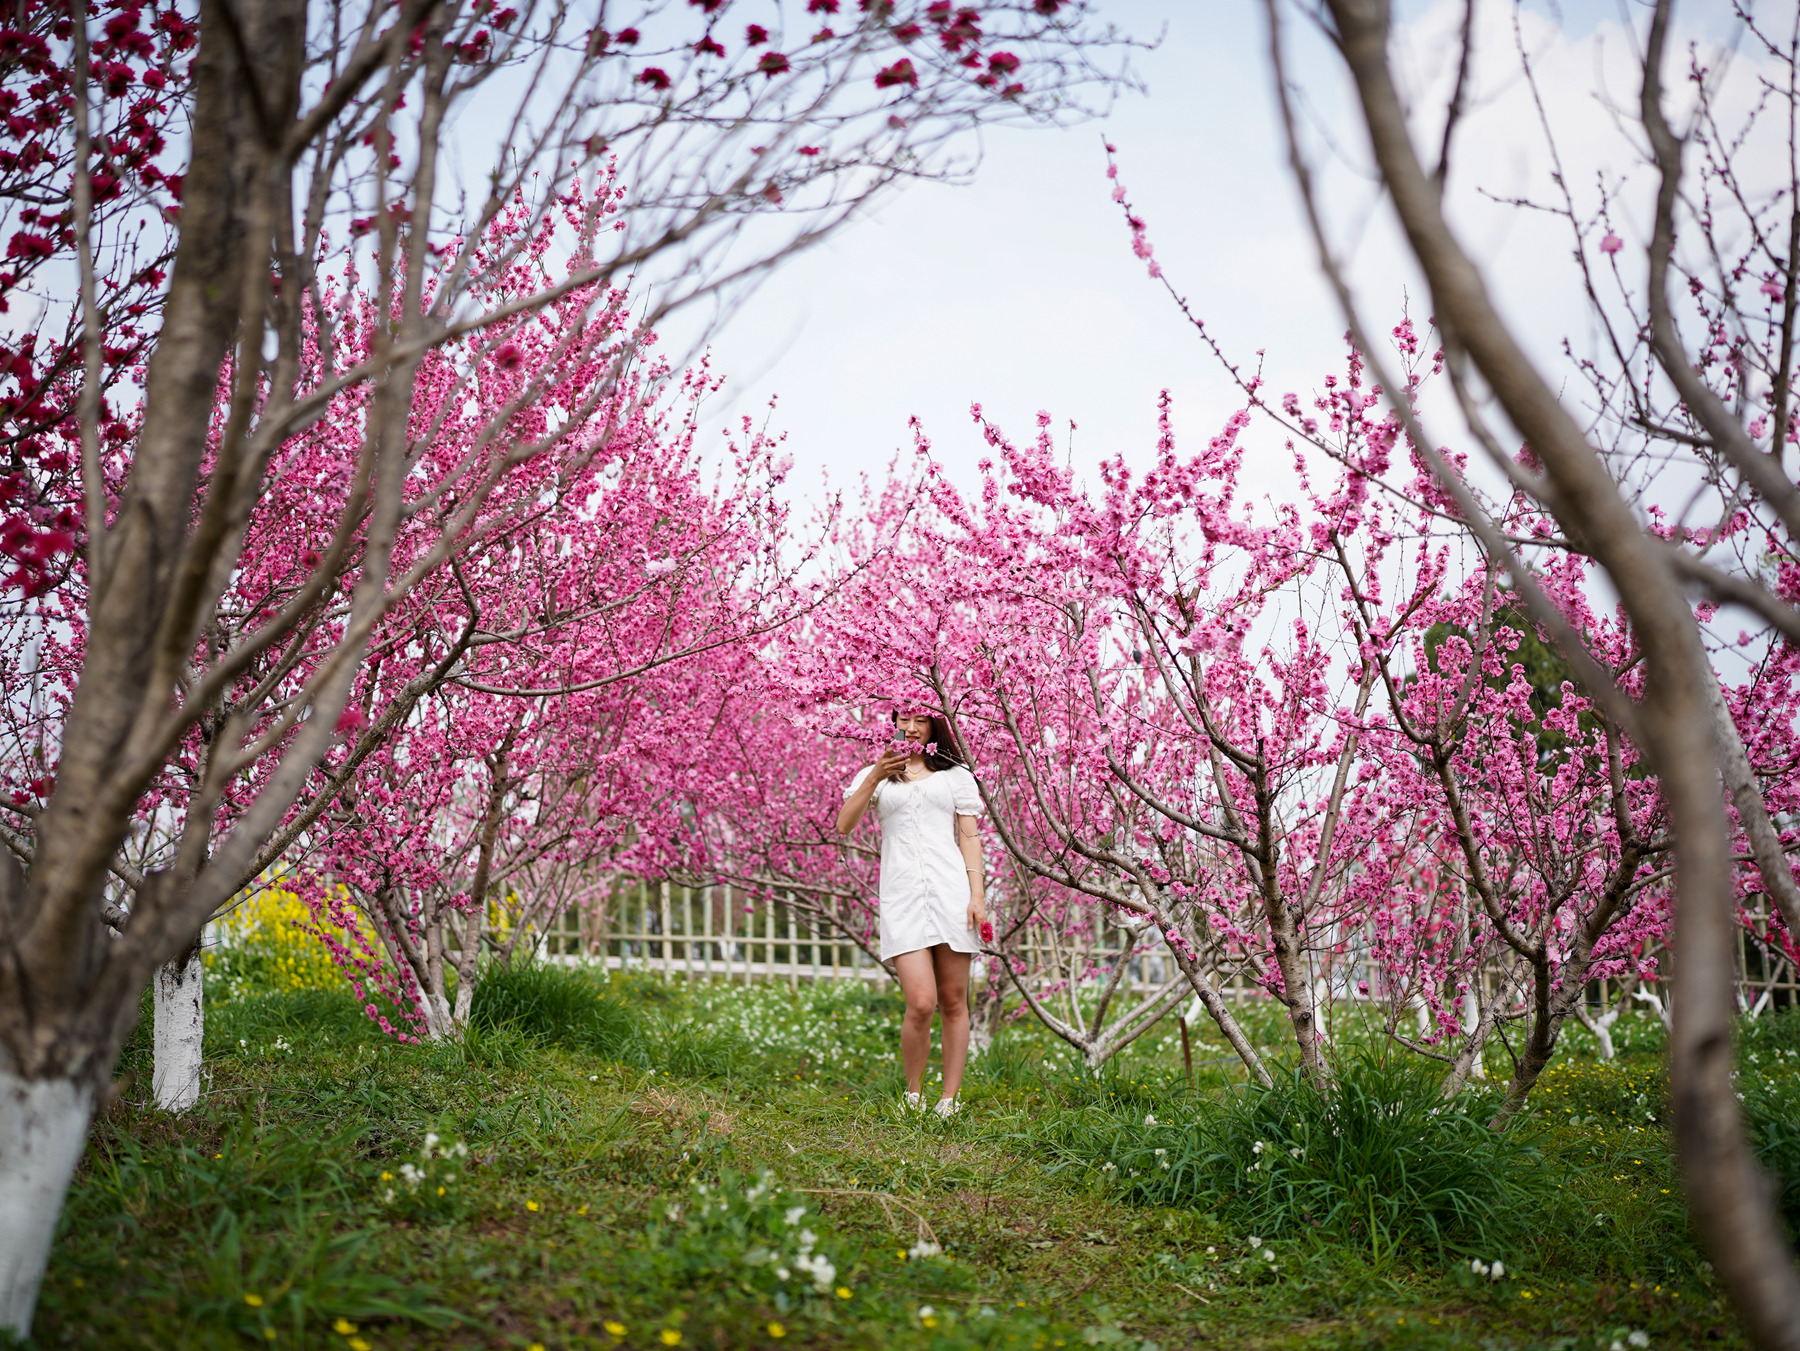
(626, 1163)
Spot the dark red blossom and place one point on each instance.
(756, 35)
(907, 31)
(628, 37)
(26, 244)
(654, 76)
(772, 64)
(708, 47)
(901, 72)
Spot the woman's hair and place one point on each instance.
(946, 757)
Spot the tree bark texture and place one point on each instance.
(179, 1032)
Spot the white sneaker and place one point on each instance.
(948, 1106)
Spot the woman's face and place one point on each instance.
(914, 727)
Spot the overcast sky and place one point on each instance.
(1021, 292)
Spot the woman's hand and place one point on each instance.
(977, 912)
(886, 766)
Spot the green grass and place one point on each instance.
(632, 1154)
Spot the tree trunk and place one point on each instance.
(1286, 936)
(1601, 1027)
(987, 1005)
(69, 990)
(1728, 1197)
(43, 1127)
(179, 1029)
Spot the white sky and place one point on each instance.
(1021, 291)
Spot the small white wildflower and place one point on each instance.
(431, 1139)
(1107, 1167)
(1497, 1271)
(923, 1248)
(781, 1273)
(1255, 1242)
(1268, 1254)
(1161, 1152)
(793, 1215)
(1478, 1266)
(807, 1239)
(1295, 1152)
(1639, 1337)
(1210, 1248)
(1149, 1121)
(1257, 1148)
(925, 1311)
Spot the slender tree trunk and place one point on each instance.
(1214, 1004)
(1728, 1198)
(1287, 940)
(1601, 1027)
(179, 1032)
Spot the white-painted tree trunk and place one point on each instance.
(1471, 1020)
(1600, 1026)
(43, 1128)
(180, 1027)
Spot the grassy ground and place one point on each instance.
(648, 1166)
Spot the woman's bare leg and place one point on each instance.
(952, 969)
(919, 983)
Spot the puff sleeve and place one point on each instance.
(966, 796)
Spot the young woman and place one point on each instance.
(933, 891)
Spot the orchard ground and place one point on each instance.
(640, 1164)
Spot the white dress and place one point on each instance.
(924, 881)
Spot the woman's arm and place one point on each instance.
(858, 802)
(968, 839)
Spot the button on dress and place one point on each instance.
(924, 881)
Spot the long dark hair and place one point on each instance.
(946, 757)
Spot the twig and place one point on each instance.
(925, 1230)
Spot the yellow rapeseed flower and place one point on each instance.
(614, 1328)
(531, 1205)
(358, 1344)
(343, 1327)
(254, 1301)
(670, 1337)
(776, 1330)
(843, 1292)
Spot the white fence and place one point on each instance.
(707, 933)
(721, 933)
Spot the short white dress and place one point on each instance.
(924, 881)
